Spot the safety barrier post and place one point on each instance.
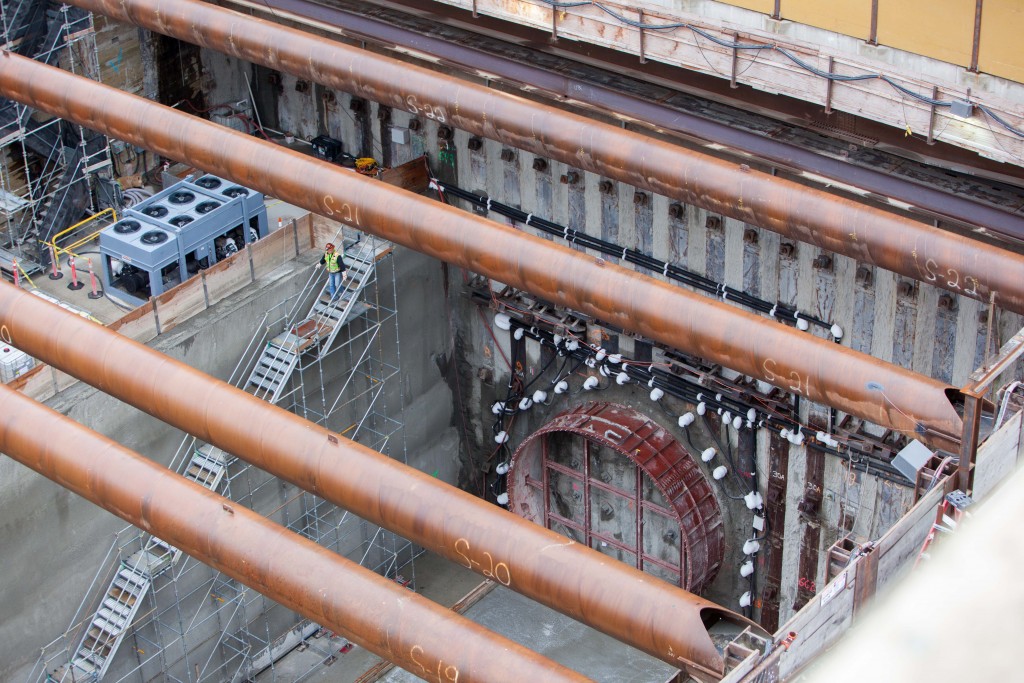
(96, 293)
(74, 285)
(55, 273)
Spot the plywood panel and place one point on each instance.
(850, 17)
(228, 276)
(943, 29)
(1002, 24)
(139, 324)
(274, 250)
(181, 303)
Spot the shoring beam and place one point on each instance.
(867, 234)
(651, 615)
(821, 371)
(416, 634)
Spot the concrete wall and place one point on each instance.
(53, 541)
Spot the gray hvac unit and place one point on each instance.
(139, 258)
(174, 234)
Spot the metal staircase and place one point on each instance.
(207, 467)
(321, 325)
(306, 328)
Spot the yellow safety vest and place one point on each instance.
(332, 260)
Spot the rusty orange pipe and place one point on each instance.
(806, 365)
(870, 235)
(651, 615)
(403, 627)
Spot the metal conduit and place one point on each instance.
(377, 614)
(801, 363)
(651, 615)
(870, 235)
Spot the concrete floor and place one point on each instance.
(501, 610)
(436, 579)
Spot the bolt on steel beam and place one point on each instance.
(832, 223)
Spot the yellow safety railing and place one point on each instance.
(57, 250)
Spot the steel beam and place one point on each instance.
(418, 635)
(801, 363)
(653, 616)
(953, 262)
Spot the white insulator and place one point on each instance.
(590, 362)
(747, 568)
(802, 324)
(700, 397)
(796, 438)
(702, 408)
(708, 455)
(622, 378)
(720, 472)
(540, 396)
(572, 344)
(718, 397)
(502, 321)
(784, 433)
(686, 419)
(726, 417)
(501, 437)
(561, 387)
(498, 408)
(502, 469)
(753, 500)
(591, 383)
(745, 599)
(519, 333)
(750, 547)
(822, 437)
(751, 414)
(526, 403)
(719, 411)
(837, 332)
(615, 358)
(556, 339)
(601, 355)
(657, 394)
(603, 370)
(737, 422)
(650, 383)
(502, 499)
(750, 425)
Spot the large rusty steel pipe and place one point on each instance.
(649, 614)
(403, 627)
(806, 365)
(870, 235)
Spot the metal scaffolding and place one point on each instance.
(47, 165)
(194, 624)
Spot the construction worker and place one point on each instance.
(335, 269)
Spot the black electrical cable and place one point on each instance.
(689, 278)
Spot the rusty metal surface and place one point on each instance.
(373, 25)
(834, 224)
(664, 621)
(377, 614)
(657, 453)
(821, 371)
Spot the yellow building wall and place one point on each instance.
(1002, 32)
(849, 17)
(941, 29)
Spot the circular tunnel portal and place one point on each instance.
(606, 475)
